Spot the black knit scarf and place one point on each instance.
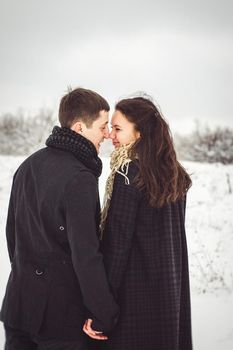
(83, 149)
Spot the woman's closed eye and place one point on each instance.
(116, 128)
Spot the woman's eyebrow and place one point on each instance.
(115, 125)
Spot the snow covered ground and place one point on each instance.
(209, 226)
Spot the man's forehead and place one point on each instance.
(103, 117)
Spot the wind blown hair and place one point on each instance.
(160, 174)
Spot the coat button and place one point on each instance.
(61, 228)
(39, 272)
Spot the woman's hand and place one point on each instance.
(91, 333)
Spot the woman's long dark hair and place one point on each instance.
(160, 174)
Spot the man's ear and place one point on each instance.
(77, 127)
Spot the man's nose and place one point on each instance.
(106, 133)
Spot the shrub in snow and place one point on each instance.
(21, 134)
(206, 145)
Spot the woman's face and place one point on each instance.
(123, 132)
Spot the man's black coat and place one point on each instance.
(57, 276)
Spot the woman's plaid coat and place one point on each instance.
(145, 255)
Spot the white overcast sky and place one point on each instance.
(180, 52)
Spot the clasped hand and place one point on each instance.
(91, 333)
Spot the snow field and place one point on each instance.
(209, 229)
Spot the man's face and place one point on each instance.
(98, 131)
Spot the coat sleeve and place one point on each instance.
(10, 224)
(120, 227)
(80, 206)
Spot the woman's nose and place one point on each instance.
(112, 135)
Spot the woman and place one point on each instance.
(143, 240)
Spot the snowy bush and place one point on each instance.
(206, 145)
(21, 134)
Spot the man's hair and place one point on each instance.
(81, 104)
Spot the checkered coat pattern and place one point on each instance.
(145, 255)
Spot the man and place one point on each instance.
(58, 278)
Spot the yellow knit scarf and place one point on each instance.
(119, 164)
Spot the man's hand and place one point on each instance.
(91, 333)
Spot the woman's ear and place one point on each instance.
(77, 127)
(138, 135)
